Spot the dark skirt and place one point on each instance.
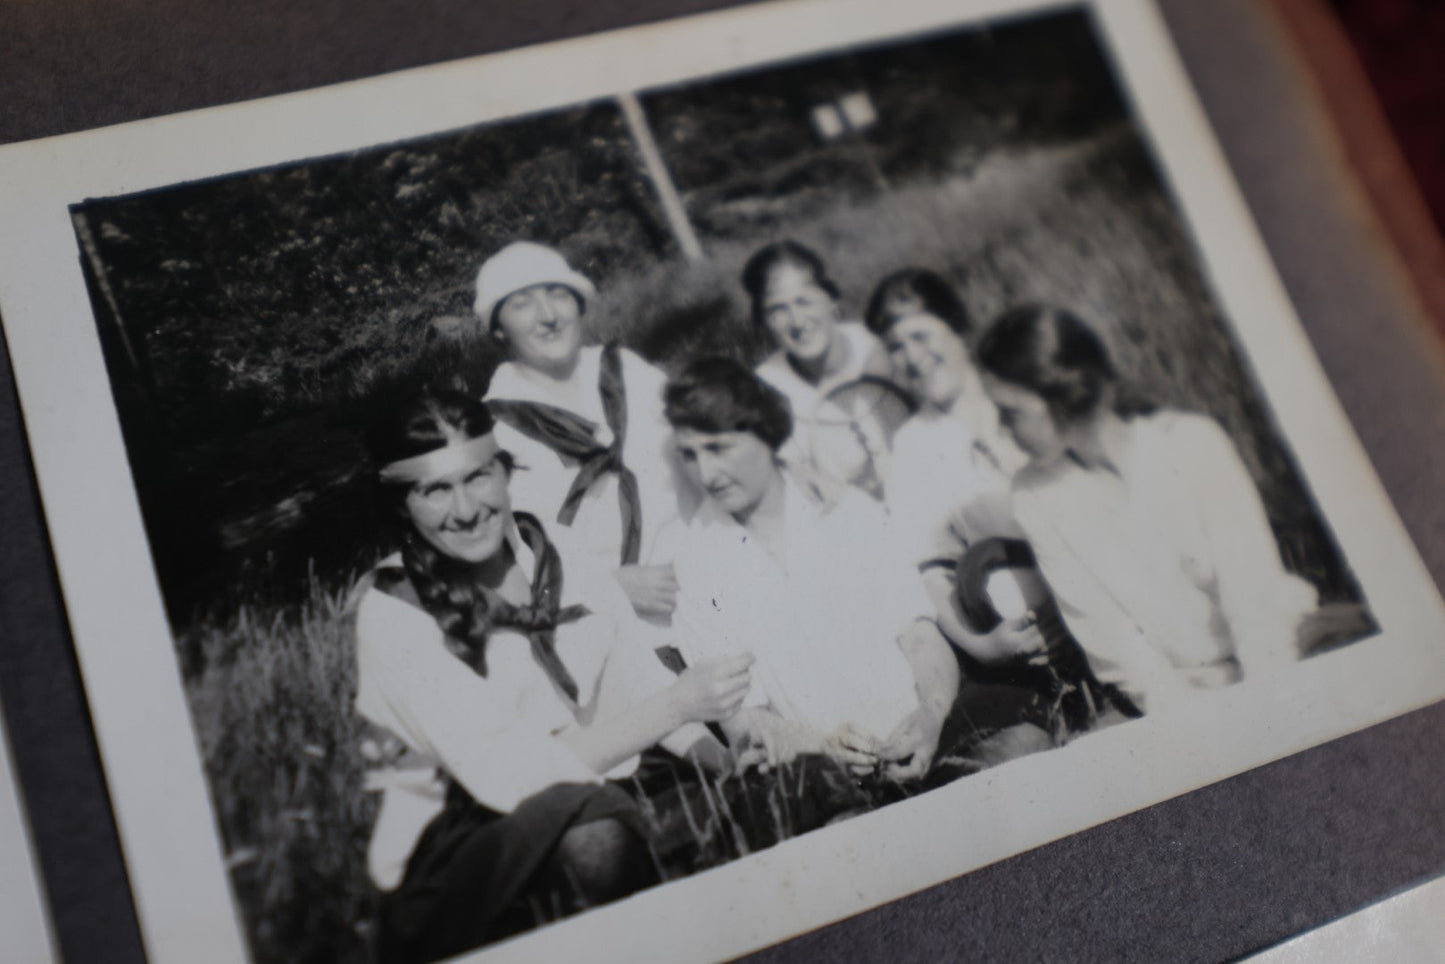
(477, 876)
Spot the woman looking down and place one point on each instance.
(849, 661)
(1146, 524)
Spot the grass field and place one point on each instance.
(271, 684)
(272, 708)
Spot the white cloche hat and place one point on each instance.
(523, 264)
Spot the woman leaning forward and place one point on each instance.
(1146, 522)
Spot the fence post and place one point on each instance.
(667, 194)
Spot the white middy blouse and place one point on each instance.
(823, 622)
(950, 481)
(495, 735)
(826, 439)
(1166, 570)
(544, 477)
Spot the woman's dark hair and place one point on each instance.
(1052, 353)
(770, 258)
(915, 291)
(722, 395)
(419, 421)
(446, 588)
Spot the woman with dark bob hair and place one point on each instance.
(949, 482)
(1145, 523)
(948, 498)
(849, 663)
(504, 696)
(916, 291)
(841, 434)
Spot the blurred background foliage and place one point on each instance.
(249, 319)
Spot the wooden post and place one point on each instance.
(667, 194)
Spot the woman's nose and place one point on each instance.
(464, 507)
(913, 356)
(706, 469)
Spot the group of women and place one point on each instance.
(894, 545)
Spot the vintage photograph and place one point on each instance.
(555, 508)
(505, 509)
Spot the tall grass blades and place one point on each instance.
(272, 705)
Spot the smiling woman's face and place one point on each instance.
(800, 314)
(542, 325)
(463, 513)
(735, 469)
(930, 359)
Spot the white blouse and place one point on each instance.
(950, 480)
(823, 622)
(827, 439)
(545, 477)
(1166, 570)
(495, 735)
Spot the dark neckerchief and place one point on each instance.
(572, 436)
(537, 620)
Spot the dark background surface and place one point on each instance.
(1209, 876)
(1399, 43)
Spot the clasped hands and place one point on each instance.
(768, 741)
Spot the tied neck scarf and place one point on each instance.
(572, 436)
(537, 620)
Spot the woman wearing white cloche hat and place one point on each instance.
(584, 421)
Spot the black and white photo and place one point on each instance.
(645, 487)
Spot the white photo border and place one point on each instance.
(162, 807)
